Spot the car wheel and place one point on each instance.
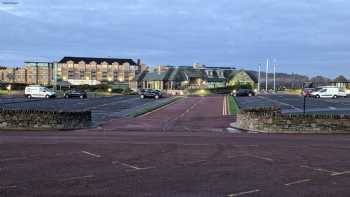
(156, 97)
(29, 96)
(335, 96)
(66, 96)
(318, 96)
(142, 96)
(250, 94)
(81, 97)
(47, 96)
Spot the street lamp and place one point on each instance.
(9, 88)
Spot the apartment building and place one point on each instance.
(76, 70)
(83, 70)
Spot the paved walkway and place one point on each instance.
(189, 114)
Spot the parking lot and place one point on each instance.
(180, 150)
(102, 108)
(294, 104)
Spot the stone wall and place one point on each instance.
(31, 119)
(271, 120)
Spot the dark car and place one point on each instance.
(150, 93)
(244, 92)
(75, 94)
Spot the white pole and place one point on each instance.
(267, 71)
(259, 78)
(274, 77)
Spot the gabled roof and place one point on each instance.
(76, 60)
(253, 76)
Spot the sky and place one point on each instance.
(308, 37)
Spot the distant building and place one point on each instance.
(86, 69)
(39, 73)
(243, 77)
(183, 77)
(75, 70)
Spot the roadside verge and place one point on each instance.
(153, 106)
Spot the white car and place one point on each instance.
(38, 92)
(328, 92)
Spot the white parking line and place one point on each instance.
(78, 178)
(91, 154)
(259, 157)
(318, 169)
(340, 173)
(282, 103)
(244, 193)
(8, 187)
(297, 182)
(14, 159)
(133, 167)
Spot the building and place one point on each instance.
(86, 70)
(184, 77)
(75, 70)
(243, 77)
(39, 73)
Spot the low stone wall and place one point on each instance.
(31, 119)
(271, 120)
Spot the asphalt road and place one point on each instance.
(102, 108)
(172, 161)
(294, 104)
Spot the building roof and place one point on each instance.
(253, 76)
(76, 60)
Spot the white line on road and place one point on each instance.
(78, 178)
(259, 157)
(131, 166)
(91, 154)
(8, 187)
(318, 169)
(244, 193)
(340, 173)
(14, 159)
(297, 182)
(282, 103)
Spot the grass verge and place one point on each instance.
(232, 106)
(152, 107)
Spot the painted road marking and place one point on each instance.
(282, 103)
(91, 154)
(8, 187)
(78, 178)
(244, 193)
(297, 182)
(224, 107)
(193, 162)
(14, 159)
(332, 108)
(318, 169)
(340, 173)
(259, 157)
(133, 167)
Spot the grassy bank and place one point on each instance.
(232, 105)
(153, 106)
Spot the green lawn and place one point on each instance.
(153, 106)
(233, 108)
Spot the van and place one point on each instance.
(328, 92)
(38, 92)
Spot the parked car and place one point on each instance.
(75, 94)
(329, 92)
(36, 91)
(150, 93)
(307, 92)
(243, 92)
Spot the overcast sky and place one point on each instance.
(303, 36)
